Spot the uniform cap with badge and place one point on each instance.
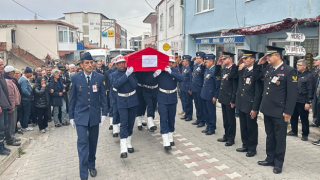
(248, 53)
(119, 58)
(226, 55)
(210, 57)
(274, 49)
(186, 57)
(201, 54)
(86, 56)
(172, 59)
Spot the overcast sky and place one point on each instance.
(54, 9)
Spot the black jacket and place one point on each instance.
(41, 95)
(55, 99)
(306, 85)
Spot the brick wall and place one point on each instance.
(30, 58)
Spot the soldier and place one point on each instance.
(227, 97)
(87, 96)
(186, 88)
(248, 101)
(150, 91)
(167, 100)
(278, 102)
(126, 83)
(306, 83)
(209, 95)
(141, 109)
(196, 86)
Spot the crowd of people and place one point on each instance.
(34, 98)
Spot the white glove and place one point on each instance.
(168, 69)
(72, 123)
(157, 73)
(129, 71)
(102, 120)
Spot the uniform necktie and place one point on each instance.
(88, 79)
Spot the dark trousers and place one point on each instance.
(25, 114)
(188, 107)
(111, 106)
(304, 116)
(42, 116)
(33, 114)
(87, 147)
(141, 109)
(209, 114)
(276, 130)
(167, 114)
(12, 121)
(229, 122)
(115, 111)
(127, 118)
(249, 131)
(3, 124)
(318, 114)
(314, 112)
(198, 102)
(151, 105)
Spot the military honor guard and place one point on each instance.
(142, 106)
(209, 95)
(196, 86)
(278, 103)
(167, 100)
(87, 98)
(248, 101)
(227, 97)
(150, 91)
(127, 101)
(185, 88)
(306, 84)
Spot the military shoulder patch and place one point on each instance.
(70, 84)
(294, 79)
(104, 83)
(218, 78)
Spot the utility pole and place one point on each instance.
(100, 30)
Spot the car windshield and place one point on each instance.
(99, 58)
(113, 54)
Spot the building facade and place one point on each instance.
(170, 24)
(232, 25)
(151, 41)
(96, 29)
(135, 43)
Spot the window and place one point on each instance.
(204, 5)
(161, 22)
(65, 35)
(71, 38)
(171, 16)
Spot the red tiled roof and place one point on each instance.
(38, 22)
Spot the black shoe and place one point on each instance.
(140, 128)
(3, 151)
(124, 155)
(144, 124)
(65, 124)
(277, 170)
(19, 132)
(93, 172)
(49, 120)
(312, 125)
(251, 153)
(34, 124)
(210, 132)
(304, 138)
(153, 128)
(172, 144)
(188, 119)
(316, 142)
(229, 143)
(167, 148)
(115, 135)
(57, 125)
(14, 144)
(110, 127)
(183, 118)
(130, 150)
(7, 149)
(200, 125)
(291, 133)
(242, 149)
(85, 179)
(195, 123)
(265, 163)
(204, 131)
(222, 139)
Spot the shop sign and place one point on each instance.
(295, 50)
(295, 37)
(217, 40)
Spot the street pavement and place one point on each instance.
(53, 155)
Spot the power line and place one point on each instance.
(132, 17)
(149, 5)
(29, 9)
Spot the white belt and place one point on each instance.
(141, 85)
(114, 89)
(168, 91)
(151, 87)
(127, 94)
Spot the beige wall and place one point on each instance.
(28, 35)
(18, 63)
(5, 36)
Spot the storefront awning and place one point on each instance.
(270, 27)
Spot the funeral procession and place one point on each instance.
(160, 89)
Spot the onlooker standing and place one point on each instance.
(41, 102)
(315, 72)
(43, 72)
(39, 72)
(26, 97)
(15, 100)
(16, 78)
(57, 98)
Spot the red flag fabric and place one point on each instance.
(147, 59)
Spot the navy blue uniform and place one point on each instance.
(167, 98)
(196, 86)
(127, 101)
(185, 87)
(113, 99)
(110, 90)
(85, 108)
(141, 109)
(209, 91)
(150, 91)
